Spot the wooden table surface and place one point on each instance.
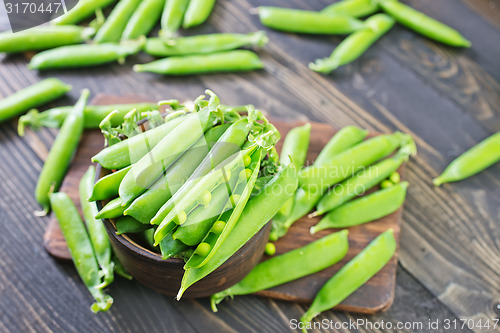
(448, 99)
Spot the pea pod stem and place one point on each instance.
(113, 27)
(354, 8)
(197, 12)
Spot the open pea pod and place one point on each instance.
(213, 239)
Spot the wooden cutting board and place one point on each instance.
(376, 295)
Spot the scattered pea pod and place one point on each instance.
(355, 44)
(143, 19)
(229, 61)
(344, 139)
(257, 212)
(365, 209)
(129, 225)
(43, 38)
(80, 248)
(81, 11)
(61, 153)
(307, 22)
(203, 44)
(197, 12)
(352, 276)
(423, 24)
(171, 18)
(113, 27)
(84, 55)
(475, 160)
(354, 8)
(297, 263)
(38, 94)
(112, 210)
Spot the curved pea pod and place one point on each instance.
(170, 247)
(353, 275)
(128, 151)
(84, 55)
(220, 62)
(81, 249)
(38, 94)
(145, 207)
(151, 166)
(61, 153)
(423, 24)
(355, 44)
(354, 8)
(197, 12)
(203, 44)
(297, 263)
(129, 225)
(344, 139)
(171, 17)
(97, 233)
(475, 160)
(113, 27)
(307, 22)
(107, 186)
(257, 212)
(143, 20)
(112, 210)
(81, 11)
(365, 209)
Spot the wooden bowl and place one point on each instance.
(164, 276)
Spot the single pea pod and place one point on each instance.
(257, 212)
(81, 249)
(307, 22)
(144, 19)
(229, 61)
(171, 18)
(61, 153)
(145, 207)
(365, 209)
(197, 12)
(296, 263)
(129, 225)
(126, 152)
(203, 44)
(93, 115)
(353, 8)
(170, 247)
(355, 44)
(352, 276)
(81, 11)
(107, 186)
(475, 160)
(113, 27)
(344, 139)
(423, 24)
(97, 233)
(112, 210)
(150, 167)
(43, 38)
(38, 94)
(84, 55)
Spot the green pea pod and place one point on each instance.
(81, 249)
(215, 240)
(353, 275)
(145, 207)
(296, 263)
(229, 61)
(129, 225)
(60, 155)
(355, 44)
(93, 115)
(97, 232)
(113, 27)
(307, 22)
(257, 212)
(354, 8)
(473, 161)
(43, 38)
(203, 44)
(423, 24)
(38, 94)
(84, 55)
(107, 186)
(144, 19)
(170, 247)
(197, 12)
(365, 209)
(147, 237)
(151, 166)
(112, 210)
(81, 11)
(124, 153)
(363, 181)
(171, 18)
(344, 139)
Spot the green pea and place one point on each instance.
(114, 25)
(386, 184)
(395, 177)
(205, 198)
(143, 19)
(270, 249)
(218, 227)
(247, 160)
(197, 12)
(203, 249)
(181, 217)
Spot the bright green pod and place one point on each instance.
(170, 247)
(113, 27)
(81, 11)
(197, 12)
(129, 225)
(107, 186)
(112, 210)
(171, 18)
(344, 139)
(144, 19)
(354, 8)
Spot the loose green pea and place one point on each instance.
(270, 249)
(203, 249)
(218, 227)
(395, 177)
(386, 184)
